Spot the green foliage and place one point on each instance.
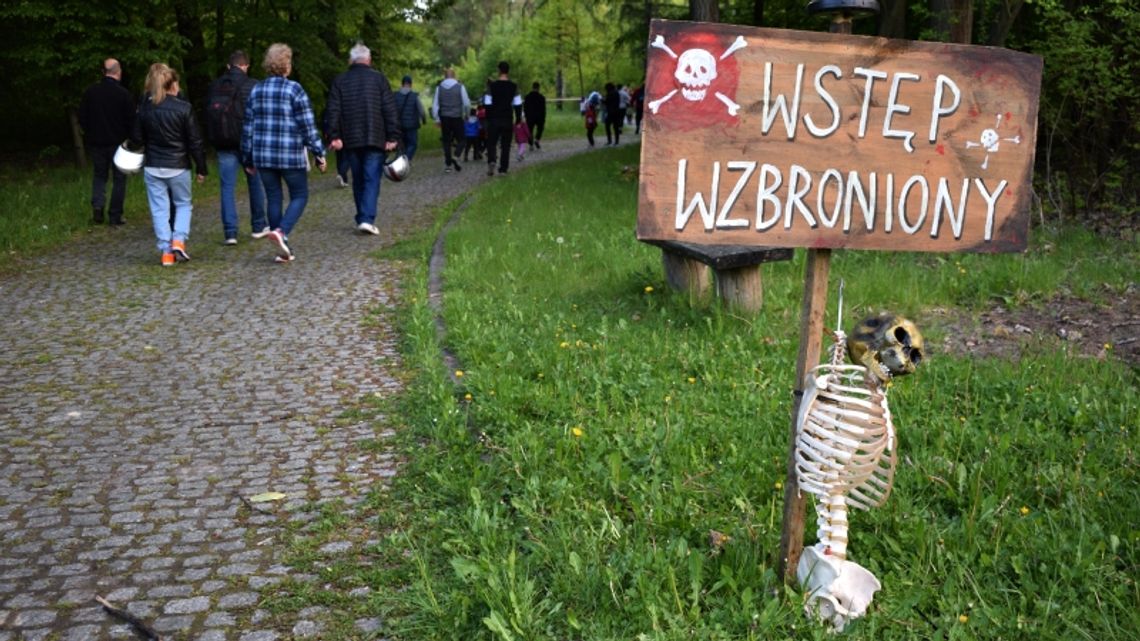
(583, 41)
(603, 426)
(1088, 135)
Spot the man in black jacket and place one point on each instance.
(534, 108)
(225, 109)
(501, 100)
(363, 121)
(106, 114)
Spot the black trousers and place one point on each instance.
(613, 128)
(536, 127)
(454, 139)
(499, 136)
(102, 160)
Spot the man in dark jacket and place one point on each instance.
(534, 108)
(410, 111)
(502, 100)
(224, 111)
(363, 121)
(106, 114)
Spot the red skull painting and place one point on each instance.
(696, 87)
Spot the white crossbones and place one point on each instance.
(696, 69)
(991, 142)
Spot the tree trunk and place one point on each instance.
(704, 10)
(559, 88)
(1003, 22)
(77, 137)
(758, 13)
(195, 76)
(892, 21)
(952, 20)
(221, 56)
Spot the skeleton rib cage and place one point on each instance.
(844, 452)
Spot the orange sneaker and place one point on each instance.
(167, 259)
(179, 249)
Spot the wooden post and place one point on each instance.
(686, 274)
(811, 337)
(741, 288)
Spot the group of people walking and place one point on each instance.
(618, 106)
(266, 130)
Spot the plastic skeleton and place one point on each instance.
(845, 456)
(696, 69)
(991, 142)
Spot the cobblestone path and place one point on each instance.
(141, 406)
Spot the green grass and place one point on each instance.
(611, 426)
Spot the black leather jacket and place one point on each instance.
(170, 134)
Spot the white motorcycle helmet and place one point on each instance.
(127, 161)
(397, 166)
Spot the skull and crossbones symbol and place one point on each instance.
(991, 141)
(695, 73)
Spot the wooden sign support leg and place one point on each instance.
(811, 337)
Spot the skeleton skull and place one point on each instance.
(887, 345)
(696, 69)
(990, 140)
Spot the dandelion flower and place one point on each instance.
(692, 380)
(1024, 511)
(467, 396)
(649, 289)
(458, 373)
(779, 485)
(962, 618)
(559, 240)
(564, 344)
(577, 432)
(668, 398)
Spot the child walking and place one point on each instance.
(471, 129)
(591, 115)
(522, 137)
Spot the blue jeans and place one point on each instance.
(228, 169)
(411, 142)
(365, 163)
(159, 199)
(297, 182)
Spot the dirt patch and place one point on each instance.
(1108, 329)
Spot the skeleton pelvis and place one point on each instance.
(838, 590)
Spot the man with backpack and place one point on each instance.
(225, 111)
(412, 115)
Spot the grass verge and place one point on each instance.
(604, 427)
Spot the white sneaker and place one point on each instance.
(341, 181)
(368, 228)
(258, 235)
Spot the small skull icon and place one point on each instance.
(696, 69)
(990, 140)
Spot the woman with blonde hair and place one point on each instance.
(277, 127)
(166, 128)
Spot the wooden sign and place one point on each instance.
(797, 139)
